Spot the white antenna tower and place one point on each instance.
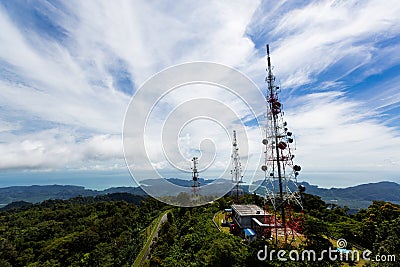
(236, 166)
(195, 173)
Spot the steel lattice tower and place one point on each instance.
(236, 170)
(195, 173)
(280, 171)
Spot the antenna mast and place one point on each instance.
(236, 166)
(279, 169)
(195, 173)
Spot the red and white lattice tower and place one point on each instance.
(281, 173)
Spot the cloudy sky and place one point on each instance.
(68, 70)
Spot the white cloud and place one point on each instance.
(6, 126)
(51, 86)
(151, 36)
(68, 82)
(59, 148)
(336, 134)
(309, 39)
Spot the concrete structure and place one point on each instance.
(251, 217)
(242, 215)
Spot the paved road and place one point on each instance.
(155, 235)
(215, 223)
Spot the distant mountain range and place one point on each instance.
(388, 191)
(38, 193)
(359, 196)
(354, 197)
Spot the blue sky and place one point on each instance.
(68, 70)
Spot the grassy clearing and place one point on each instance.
(219, 216)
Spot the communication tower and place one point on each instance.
(282, 192)
(195, 174)
(236, 170)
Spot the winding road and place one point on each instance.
(151, 239)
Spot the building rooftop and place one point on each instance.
(247, 210)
